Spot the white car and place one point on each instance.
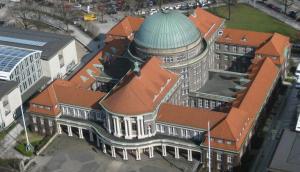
(177, 7)
(297, 82)
(297, 73)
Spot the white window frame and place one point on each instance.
(219, 157)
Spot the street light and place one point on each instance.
(28, 145)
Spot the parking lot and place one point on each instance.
(71, 154)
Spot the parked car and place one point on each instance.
(297, 73)
(297, 82)
(292, 14)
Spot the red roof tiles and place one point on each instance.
(65, 92)
(186, 116)
(137, 94)
(206, 22)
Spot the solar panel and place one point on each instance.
(10, 56)
(22, 41)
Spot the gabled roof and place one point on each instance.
(186, 116)
(137, 94)
(126, 26)
(275, 47)
(243, 37)
(206, 22)
(64, 92)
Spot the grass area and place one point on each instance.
(4, 132)
(9, 164)
(36, 140)
(246, 17)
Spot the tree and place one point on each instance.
(287, 4)
(22, 13)
(64, 11)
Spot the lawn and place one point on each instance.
(245, 17)
(4, 132)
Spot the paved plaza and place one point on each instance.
(71, 154)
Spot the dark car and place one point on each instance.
(292, 14)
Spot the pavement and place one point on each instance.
(7, 149)
(284, 119)
(71, 154)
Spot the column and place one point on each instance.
(125, 157)
(138, 154)
(91, 136)
(190, 157)
(151, 152)
(119, 132)
(70, 131)
(142, 125)
(80, 133)
(115, 126)
(164, 150)
(126, 128)
(108, 123)
(138, 127)
(130, 127)
(98, 142)
(58, 129)
(104, 148)
(113, 151)
(176, 153)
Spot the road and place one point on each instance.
(284, 119)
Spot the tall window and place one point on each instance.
(218, 156)
(229, 158)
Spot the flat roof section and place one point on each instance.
(224, 83)
(48, 43)
(6, 87)
(287, 154)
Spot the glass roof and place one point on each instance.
(22, 41)
(10, 56)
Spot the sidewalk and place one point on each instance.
(7, 149)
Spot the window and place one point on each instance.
(199, 102)
(205, 103)
(225, 57)
(226, 47)
(233, 57)
(229, 168)
(42, 121)
(217, 56)
(183, 132)
(213, 104)
(50, 123)
(34, 119)
(157, 127)
(217, 46)
(229, 158)
(174, 131)
(220, 141)
(234, 48)
(162, 129)
(228, 142)
(218, 156)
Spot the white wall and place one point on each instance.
(14, 102)
(52, 68)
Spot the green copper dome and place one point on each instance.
(166, 30)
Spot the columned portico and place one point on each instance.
(190, 157)
(113, 151)
(125, 156)
(176, 152)
(58, 129)
(140, 127)
(117, 126)
(98, 142)
(70, 131)
(128, 128)
(80, 133)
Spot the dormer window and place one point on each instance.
(244, 39)
(274, 58)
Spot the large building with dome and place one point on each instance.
(159, 81)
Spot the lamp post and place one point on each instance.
(28, 145)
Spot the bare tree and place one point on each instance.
(22, 13)
(64, 11)
(287, 4)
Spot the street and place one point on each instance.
(284, 119)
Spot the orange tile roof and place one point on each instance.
(85, 77)
(65, 92)
(126, 27)
(239, 121)
(186, 116)
(275, 47)
(243, 37)
(137, 94)
(206, 22)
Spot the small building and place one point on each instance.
(10, 101)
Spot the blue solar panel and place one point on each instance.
(22, 41)
(10, 56)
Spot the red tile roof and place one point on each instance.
(239, 121)
(206, 22)
(65, 92)
(137, 94)
(186, 116)
(276, 46)
(243, 37)
(125, 27)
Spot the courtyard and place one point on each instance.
(246, 17)
(71, 154)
